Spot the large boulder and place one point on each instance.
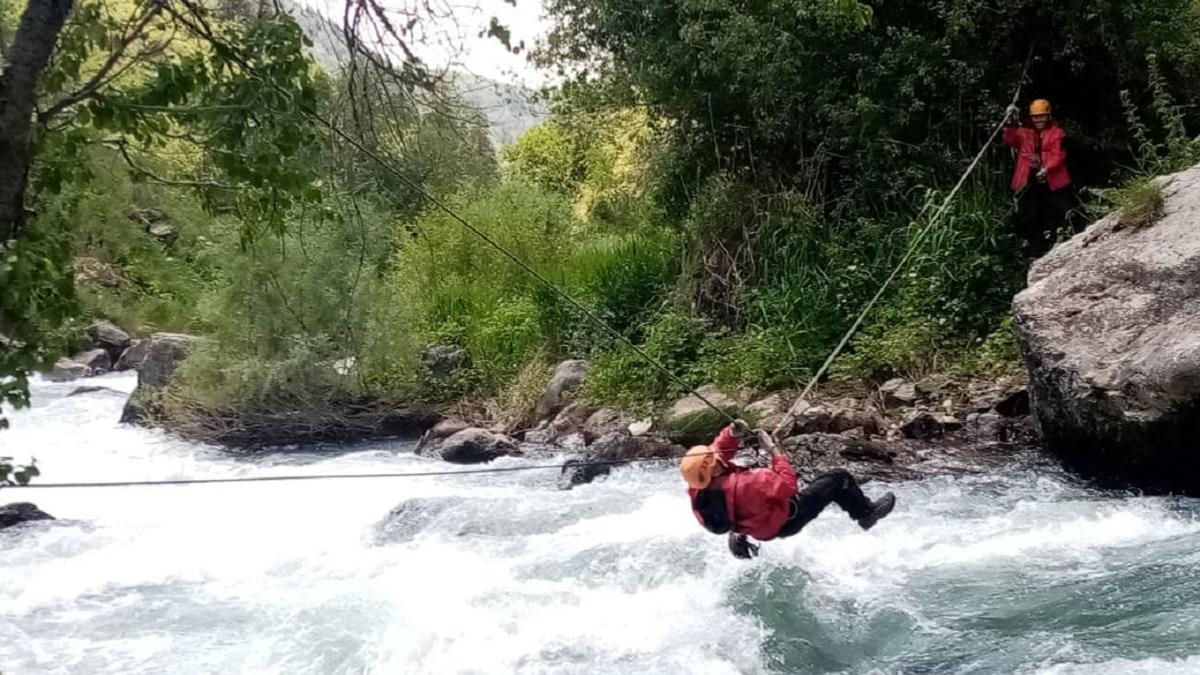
(107, 336)
(473, 446)
(1109, 328)
(567, 378)
(132, 358)
(611, 450)
(163, 356)
(692, 420)
(21, 512)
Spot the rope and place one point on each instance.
(302, 477)
(912, 249)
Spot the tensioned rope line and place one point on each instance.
(912, 249)
(584, 310)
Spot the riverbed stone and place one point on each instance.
(17, 513)
(1109, 328)
(474, 446)
(106, 335)
(899, 392)
(132, 358)
(98, 360)
(163, 356)
(925, 424)
(66, 370)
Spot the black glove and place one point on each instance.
(741, 547)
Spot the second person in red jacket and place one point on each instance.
(765, 503)
(1040, 180)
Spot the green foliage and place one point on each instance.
(621, 377)
(1138, 203)
(17, 474)
(548, 156)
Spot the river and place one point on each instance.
(1020, 571)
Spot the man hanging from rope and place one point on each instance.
(1045, 196)
(766, 504)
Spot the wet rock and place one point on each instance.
(444, 360)
(611, 450)
(80, 391)
(543, 436)
(108, 336)
(97, 360)
(811, 418)
(412, 517)
(132, 358)
(924, 425)
(579, 470)
(691, 421)
(163, 356)
(21, 512)
(473, 446)
(66, 370)
(568, 377)
(443, 429)
(899, 392)
(1108, 330)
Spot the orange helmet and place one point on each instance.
(1039, 107)
(697, 466)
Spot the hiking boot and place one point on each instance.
(879, 509)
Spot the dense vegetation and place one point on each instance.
(724, 183)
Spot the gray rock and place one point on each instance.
(66, 370)
(107, 336)
(474, 446)
(132, 358)
(899, 392)
(691, 420)
(1109, 329)
(21, 512)
(444, 360)
(925, 425)
(96, 359)
(443, 429)
(164, 232)
(605, 421)
(410, 518)
(80, 391)
(163, 355)
(567, 378)
(612, 450)
(571, 419)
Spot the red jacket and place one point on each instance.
(757, 499)
(1030, 144)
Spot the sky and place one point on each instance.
(453, 39)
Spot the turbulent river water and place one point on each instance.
(1020, 571)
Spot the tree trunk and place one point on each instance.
(27, 57)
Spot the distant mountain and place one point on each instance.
(511, 109)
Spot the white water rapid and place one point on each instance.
(1021, 571)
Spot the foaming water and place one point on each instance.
(1022, 571)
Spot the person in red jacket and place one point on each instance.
(1040, 180)
(765, 503)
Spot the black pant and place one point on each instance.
(836, 487)
(1041, 212)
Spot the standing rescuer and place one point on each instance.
(1045, 195)
(766, 504)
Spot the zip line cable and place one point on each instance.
(908, 254)
(205, 33)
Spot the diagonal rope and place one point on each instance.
(913, 247)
